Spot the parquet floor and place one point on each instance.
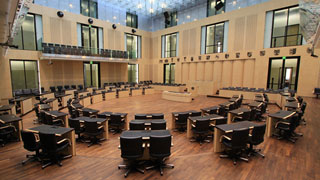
(283, 160)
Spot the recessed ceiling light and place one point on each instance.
(70, 5)
(151, 10)
(114, 17)
(163, 5)
(188, 17)
(140, 6)
(234, 3)
(151, 1)
(195, 19)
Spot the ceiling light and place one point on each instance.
(163, 5)
(87, 10)
(195, 19)
(151, 10)
(140, 6)
(114, 17)
(70, 5)
(151, 1)
(234, 3)
(188, 17)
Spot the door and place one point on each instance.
(133, 73)
(91, 74)
(283, 73)
(169, 73)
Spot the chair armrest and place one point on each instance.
(63, 140)
(282, 122)
(193, 125)
(100, 127)
(119, 147)
(8, 126)
(225, 137)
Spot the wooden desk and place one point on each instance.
(255, 105)
(102, 121)
(176, 114)
(274, 118)
(227, 129)
(64, 99)
(85, 101)
(53, 104)
(136, 92)
(148, 91)
(47, 95)
(209, 110)
(123, 115)
(61, 132)
(123, 94)
(82, 93)
(70, 91)
(192, 120)
(176, 96)
(96, 98)
(59, 115)
(90, 90)
(235, 113)
(111, 95)
(291, 105)
(11, 109)
(14, 120)
(25, 104)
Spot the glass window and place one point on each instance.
(133, 46)
(214, 38)
(170, 45)
(133, 73)
(286, 31)
(89, 37)
(29, 36)
(171, 20)
(215, 7)
(24, 74)
(169, 73)
(89, 8)
(91, 74)
(132, 20)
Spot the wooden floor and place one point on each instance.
(283, 160)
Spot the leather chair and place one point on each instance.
(7, 132)
(193, 114)
(256, 138)
(181, 121)
(77, 126)
(243, 117)
(66, 87)
(218, 122)
(131, 149)
(157, 116)
(93, 130)
(136, 125)
(140, 116)
(31, 144)
(52, 89)
(237, 143)
(201, 128)
(158, 125)
(160, 149)
(213, 110)
(51, 121)
(51, 149)
(117, 122)
(222, 111)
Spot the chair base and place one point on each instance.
(160, 165)
(201, 140)
(130, 168)
(234, 158)
(253, 152)
(33, 157)
(286, 137)
(55, 161)
(95, 140)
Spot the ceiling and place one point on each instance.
(7, 12)
(154, 7)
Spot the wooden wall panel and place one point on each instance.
(185, 72)
(192, 71)
(200, 71)
(118, 38)
(217, 75)
(192, 41)
(110, 40)
(56, 30)
(239, 33)
(208, 71)
(155, 46)
(251, 31)
(66, 32)
(237, 74)
(226, 74)
(185, 42)
(248, 73)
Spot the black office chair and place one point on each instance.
(117, 122)
(160, 149)
(36, 110)
(245, 116)
(73, 86)
(131, 149)
(301, 112)
(158, 116)
(237, 143)
(196, 113)
(31, 144)
(7, 132)
(202, 129)
(136, 125)
(140, 116)
(256, 138)
(222, 111)
(66, 87)
(218, 122)
(261, 111)
(51, 121)
(51, 149)
(181, 121)
(78, 128)
(93, 130)
(52, 89)
(300, 99)
(213, 110)
(286, 128)
(158, 125)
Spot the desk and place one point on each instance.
(255, 104)
(191, 120)
(47, 95)
(175, 115)
(70, 91)
(111, 95)
(7, 108)
(44, 107)
(96, 98)
(82, 93)
(90, 111)
(226, 104)
(274, 118)
(147, 122)
(85, 101)
(177, 96)
(123, 115)
(291, 105)
(161, 88)
(228, 128)
(65, 98)
(136, 92)
(13, 120)
(58, 131)
(25, 104)
(101, 121)
(123, 93)
(236, 112)
(53, 102)
(259, 99)
(90, 90)
(208, 109)
(290, 99)
(146, 137)
(148, 91)
(59, 115)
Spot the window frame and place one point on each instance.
(286, 29)
(171, 20)
(215, 13)
(165, 45)
(222, 42)
(130, 24)
(82, 39)
(170, 72)
(89, 5)
(84, 76)
(138, 52)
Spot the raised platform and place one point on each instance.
(176, 96)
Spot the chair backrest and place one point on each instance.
(213, 111)
(66, 86)
(222, 111)
(49, 119)
(135, 125)
(158, 116)
(75, 124)
(158, 125)
(193, 114)
(91, 126)
(140, 116)
(160, 146)
(42, 117)
(52, 89)
(221, 121)
(303, 107)
(240, 138)
(300, 99)
(86, 113)
(263, 108)
(246, 116)
(183, 117)
(131, 147)
(258, 134)
(202, 124)
(48, 142)
(73, 86)
(115, 119)
(253, 114)
(29, 140)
